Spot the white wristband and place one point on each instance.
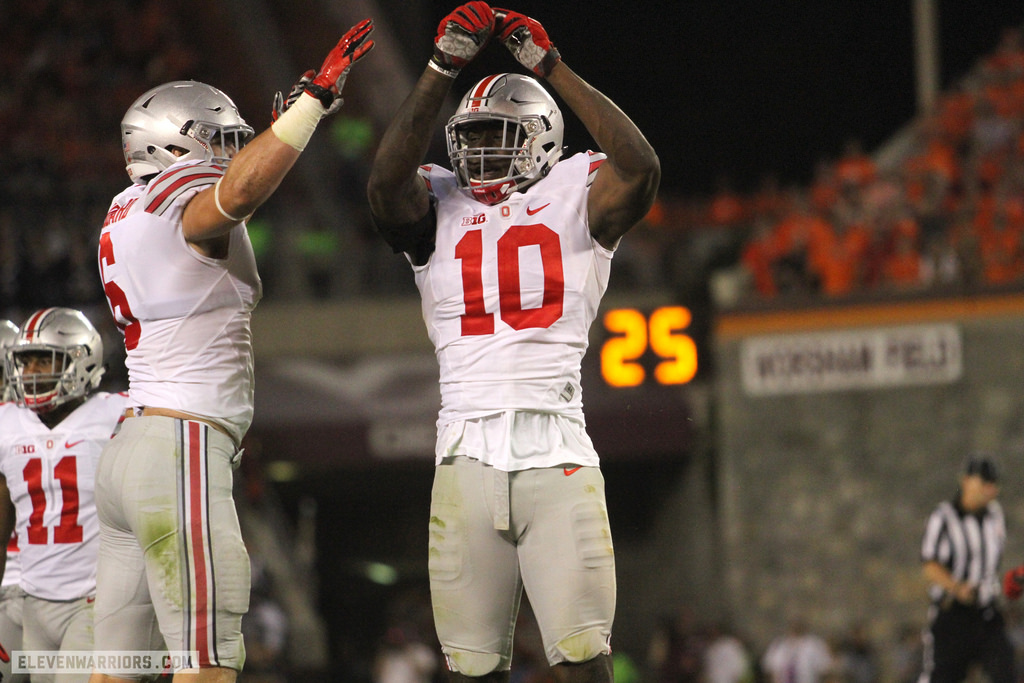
(295, 127)
(450, 73)
(216, 201)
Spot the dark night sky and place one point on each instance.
(744, 88)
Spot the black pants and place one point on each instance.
(962, 636)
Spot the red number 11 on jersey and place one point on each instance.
(66, 472)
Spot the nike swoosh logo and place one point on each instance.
(569, 470)
(90, 599)
(530, 212)
(72, 444)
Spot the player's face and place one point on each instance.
(37, 363)
(40, 371)
(227, 150)
(487, 134)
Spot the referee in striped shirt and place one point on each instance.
(963, 543)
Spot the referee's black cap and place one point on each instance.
(982, 466)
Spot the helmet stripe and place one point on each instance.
(483, 88)
(34, 323)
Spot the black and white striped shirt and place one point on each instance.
(969, 545)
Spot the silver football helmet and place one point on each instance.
(524, 143)
(8, 335)
(57, 357)
(178, 121)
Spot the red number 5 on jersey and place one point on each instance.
(129, 325)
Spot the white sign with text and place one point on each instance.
(855, 359)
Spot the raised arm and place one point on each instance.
(257, 169)
(627, 184)
(397, 195)
(398, 198)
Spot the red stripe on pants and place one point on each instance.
(196, 529)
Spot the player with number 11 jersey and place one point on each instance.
(50, 443)
(50, 473)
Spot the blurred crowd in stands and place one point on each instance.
(939, 207)
(72, 68)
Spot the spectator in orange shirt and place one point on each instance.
(955, 115)
(824, 188)
(902, 264)
(854, 166)
(726, 208)
(1009, 52)
(1001, 250)
(758, 257)
(838, 256)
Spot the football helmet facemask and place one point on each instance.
(8, 335)
(522, 128)
(57, 357)
(178, 121)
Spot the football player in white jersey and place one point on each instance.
(180, 278)
(50, 441)
(11, 595)
(511, 253)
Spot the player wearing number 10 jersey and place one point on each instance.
(511, 252)
(50, 442)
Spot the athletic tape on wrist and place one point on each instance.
(295, 127)
(216, 201)
(450, 73)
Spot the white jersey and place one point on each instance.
(51, 474)
(510, 292)
(185, 317)
(12, 569)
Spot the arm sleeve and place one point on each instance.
(416, 239)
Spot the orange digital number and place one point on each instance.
(669, 343)
(621, 354)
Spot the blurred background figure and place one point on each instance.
(726, 658)
(798, 656)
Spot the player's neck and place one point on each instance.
(54, 417)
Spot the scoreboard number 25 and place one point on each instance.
(633, 334)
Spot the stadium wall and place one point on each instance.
(837, 431)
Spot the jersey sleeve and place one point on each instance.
(597, 159)
(179, 183)
(415, 239)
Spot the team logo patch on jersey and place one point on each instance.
(474, 220)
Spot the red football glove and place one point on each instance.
(461, 35)
(1013, 582)
(326, 84)
(527, 40)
